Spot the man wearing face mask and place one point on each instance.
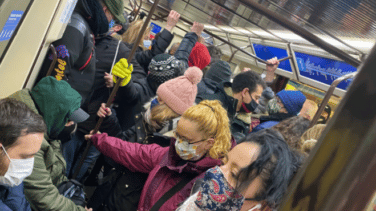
(59, 104)
(21, 132)
(286, 104)
(75, 50)
(240, 98)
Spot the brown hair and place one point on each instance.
(16, 120)
(133, 32)
(292, 129)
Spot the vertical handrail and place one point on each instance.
(119, 80)
(328, 94)
(54, 53)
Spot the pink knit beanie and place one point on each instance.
(180, 93)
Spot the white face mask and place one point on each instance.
(147, 43)
(18, 170)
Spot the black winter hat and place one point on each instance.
(162, 68)
(219, 72)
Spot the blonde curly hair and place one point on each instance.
(212, 120)
(133, 32)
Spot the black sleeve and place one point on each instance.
(129, 93)
(161, 43)
(185, 48)
(128, 134)
(138, 70)
(68, 49)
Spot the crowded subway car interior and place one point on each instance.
(187, 105)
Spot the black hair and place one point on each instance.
(248, 80)
(215, 53)
(17, 119)
(276, 164)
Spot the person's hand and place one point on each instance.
(172, 20)
(246, 69)
(88, 209)
(108, 80)
(104, 111)
(197, 28)
(272, 65)
(123, 70)
(88, 137)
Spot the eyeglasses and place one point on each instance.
(177, 135)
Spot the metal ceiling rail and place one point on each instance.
(250, 21)
(279, 19)
(213, 35)
(340, 171)
(328, 94)
(188, 3)
(317, 28)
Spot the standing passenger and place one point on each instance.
(21, 135)
(59, 104)
(75, 50)
(202, 138)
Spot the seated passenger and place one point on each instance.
(286, 104)
(292, 130)
(255, 175)
(143, 55)
(310, 137)
(59, 104)
(202, 138)
(21, 135)
(162, 115)
(219, 72)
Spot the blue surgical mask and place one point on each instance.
(147, 43)
(111, 24)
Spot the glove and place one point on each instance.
(122, 70)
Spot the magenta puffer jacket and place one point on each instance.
(164, 166)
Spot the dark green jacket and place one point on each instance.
(49, 164)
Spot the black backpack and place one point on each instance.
(74, 191)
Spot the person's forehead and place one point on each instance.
(244, 154)
(27, 144)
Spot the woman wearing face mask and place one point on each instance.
(254, 177)
(162, 114)
(21, 135)
(202, 138)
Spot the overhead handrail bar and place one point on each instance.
(328, 94)
(301, 32)
(213, 35)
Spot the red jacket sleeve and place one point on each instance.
(135, 156)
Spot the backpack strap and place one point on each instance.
(186, 179)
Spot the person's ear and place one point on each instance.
(245, 91)
(209, 144)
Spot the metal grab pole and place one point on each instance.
(328, 95)
(54, 53)
(301, 32)
(113, 93)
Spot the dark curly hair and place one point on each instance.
(248, 80)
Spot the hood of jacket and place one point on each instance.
(219, 72)
(55, 101)
(93, 13)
